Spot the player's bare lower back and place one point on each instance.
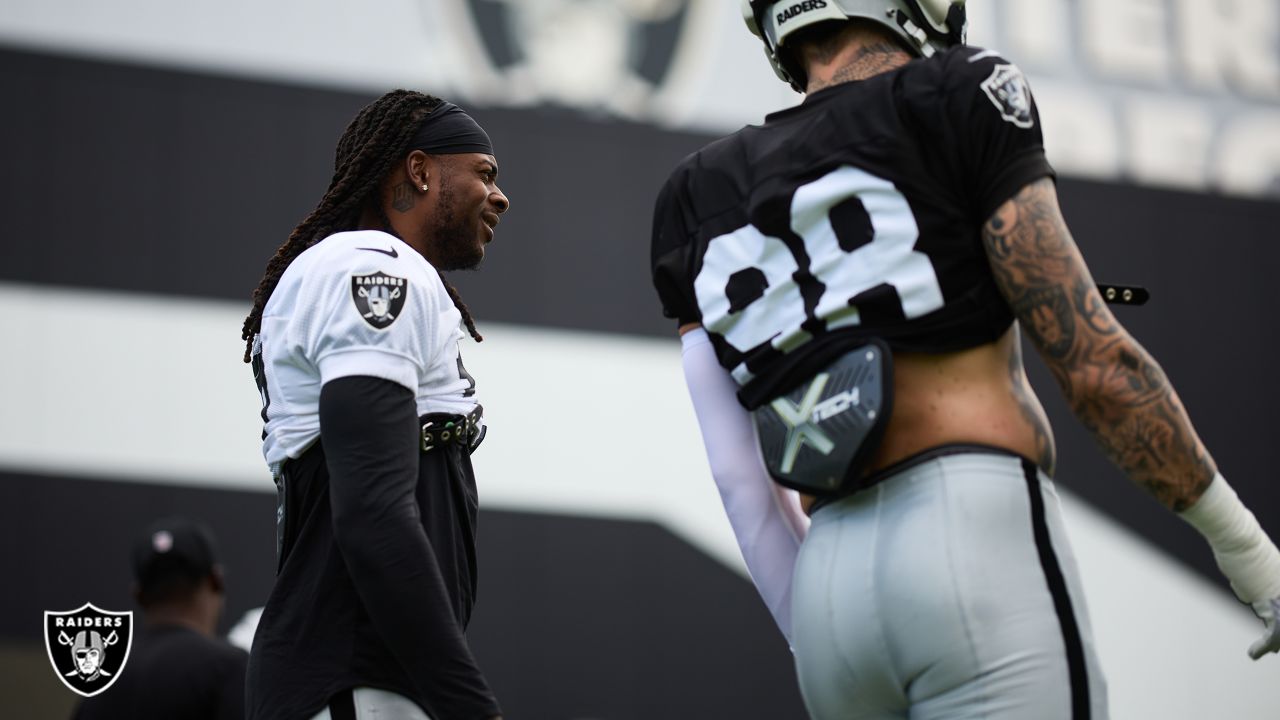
(979, 395)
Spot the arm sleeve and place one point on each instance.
(671, 253)
(766, 518)
(369, 430)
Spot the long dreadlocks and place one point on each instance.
(371, 145)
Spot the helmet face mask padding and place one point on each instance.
(923, 26)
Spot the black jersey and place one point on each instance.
(856, 214)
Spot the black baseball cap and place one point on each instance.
(173, 547)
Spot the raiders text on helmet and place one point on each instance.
(925, 26)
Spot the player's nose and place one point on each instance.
(499, 200)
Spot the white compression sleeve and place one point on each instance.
(766, 518)
(1246, 556)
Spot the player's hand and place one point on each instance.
(1245, 555)
(1269, 611)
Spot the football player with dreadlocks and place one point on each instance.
(370, 422)
(849, 279)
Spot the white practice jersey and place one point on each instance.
(356, 303)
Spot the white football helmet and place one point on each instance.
(925, 26)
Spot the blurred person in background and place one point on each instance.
(178, 667)
(849, 279)
(371, 419)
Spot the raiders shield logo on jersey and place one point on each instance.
(88, 646)
(379, 297)
(1007, 90)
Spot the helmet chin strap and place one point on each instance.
(957, 24)
(919, 36)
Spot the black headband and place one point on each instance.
(450, 131)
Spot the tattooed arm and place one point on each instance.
(1122, 396)
(1113, 385)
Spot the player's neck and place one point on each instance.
(401, 227)
(186, 615)
(863, 55)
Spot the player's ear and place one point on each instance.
(418, 166)
(216, 581)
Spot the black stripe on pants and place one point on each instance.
(1061, 598)
(343, 705)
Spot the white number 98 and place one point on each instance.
(776, 316)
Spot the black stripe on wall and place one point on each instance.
(133, 178)
(152, 180)
(575, 617)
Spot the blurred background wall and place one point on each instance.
(154, 154)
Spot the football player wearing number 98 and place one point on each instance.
(371, 419)
(849, 279)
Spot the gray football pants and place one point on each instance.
(374, 704)
(946, 591)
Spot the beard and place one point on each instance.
(454, 237)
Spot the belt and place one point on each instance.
(441, 429)
(878, 476)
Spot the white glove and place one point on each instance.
(1244, 554)
(1268, 610)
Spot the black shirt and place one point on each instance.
(173, 672)
(855, 214)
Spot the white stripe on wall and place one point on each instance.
(118, 386)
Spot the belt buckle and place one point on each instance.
(427, 437)
(457, 431)
(449, 432)
(452, 431)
